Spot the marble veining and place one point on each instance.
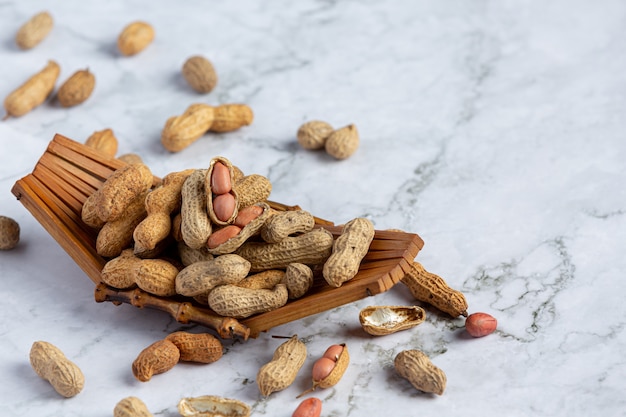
(494, 130)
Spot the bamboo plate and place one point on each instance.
(68, 172)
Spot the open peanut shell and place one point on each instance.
(68, 172)
(384, 320)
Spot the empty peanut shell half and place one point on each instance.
(212, 406)
(383, 320)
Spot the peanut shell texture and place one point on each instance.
(200, 74)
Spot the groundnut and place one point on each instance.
(311, 407)
(222, 235)
(224, 206)
(333, 352)
(220, 179)
(322, 368)
(247, 214)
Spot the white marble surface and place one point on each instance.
(493, 129)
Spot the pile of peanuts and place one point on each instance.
(210, 235)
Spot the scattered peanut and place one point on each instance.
(200, 74)
(76, 89)
(384, 320)
(237, 302)
(432, 289)
(281, 371)
(130, 158)
(349, 249)
(35, 30)
(229, 117)
(131, 407)
(199, 347)
(50, 363)
(328, 370)
(134, 38)
(311, 407)
(417, 368)
(312, 135)
(343, 142)
(159, 357)
(103, 141)
(9, 233)
(33, 92)
(309, 248)
(181, 131)
(212, 406)
(480, 324)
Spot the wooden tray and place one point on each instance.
(68, 172)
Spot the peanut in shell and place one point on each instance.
(200, 74)
(432, 289)
(416, 367)
(281, 371)
(311, 248)
(342, 143)
(195, 226)
(76, 89)
(181, 131)
(103, 141)
(313, 135)
(230, 117)
(201, 277)
(252, 189)
(33, 92)
(34, 31)
(134, 38)
(237, 302)
(341, 364)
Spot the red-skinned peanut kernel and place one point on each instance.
(480, 324)
(220, 179)
(311, 407)
(220, 236)
(322, 368)
(333, 352)
(224, 206)
(246, 215)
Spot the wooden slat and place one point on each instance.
(28, 191)
(85, 184)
